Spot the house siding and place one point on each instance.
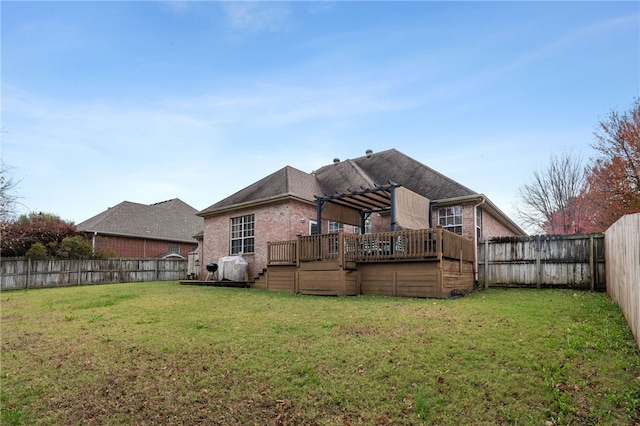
(128, 247)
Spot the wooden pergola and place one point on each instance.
(407, 209)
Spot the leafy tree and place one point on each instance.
(614, 179)
(552, 202)
(18, 236)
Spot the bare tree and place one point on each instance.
(552, 202)
(8, 197)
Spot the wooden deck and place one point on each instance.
(413, 263)
(223, 283)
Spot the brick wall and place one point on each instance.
(492, 228)
(127, 247)
(273, 222)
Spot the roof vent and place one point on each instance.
(369, 152)
(336, 160)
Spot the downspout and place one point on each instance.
(93, 242)
(475, 239)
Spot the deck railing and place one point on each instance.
(282, 252)
(399, 245)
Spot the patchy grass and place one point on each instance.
(162, 353)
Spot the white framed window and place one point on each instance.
(367, 227)
(335, 227)
(174, 248)
(313, 227)
(242, 234)
(450, 218)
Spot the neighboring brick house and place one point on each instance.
(283, 205)
(133, 230)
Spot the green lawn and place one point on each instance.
(162, 353)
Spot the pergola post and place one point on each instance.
(393, 208)
(319, 216)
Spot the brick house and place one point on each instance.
(284, 205)
(133, 230)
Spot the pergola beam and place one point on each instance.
(366, 201)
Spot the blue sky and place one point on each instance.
(145, 101)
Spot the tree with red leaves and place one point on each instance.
(614, 179)
(17, 237)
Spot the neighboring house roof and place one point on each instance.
(362, 172)
(171, 220)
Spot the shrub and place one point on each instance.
(74, 247)
(105, 254)
(36, 251)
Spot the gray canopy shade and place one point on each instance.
(408, 209)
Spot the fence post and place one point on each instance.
(592, 270)
(79, 271)
(486, 263)
(28, 272)
(538, 264)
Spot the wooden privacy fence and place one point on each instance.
(543, 261)
(16, 274)
(622, 241)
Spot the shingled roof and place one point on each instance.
(171, 220)
(385, 166)
(286, 182)
(366, 171)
